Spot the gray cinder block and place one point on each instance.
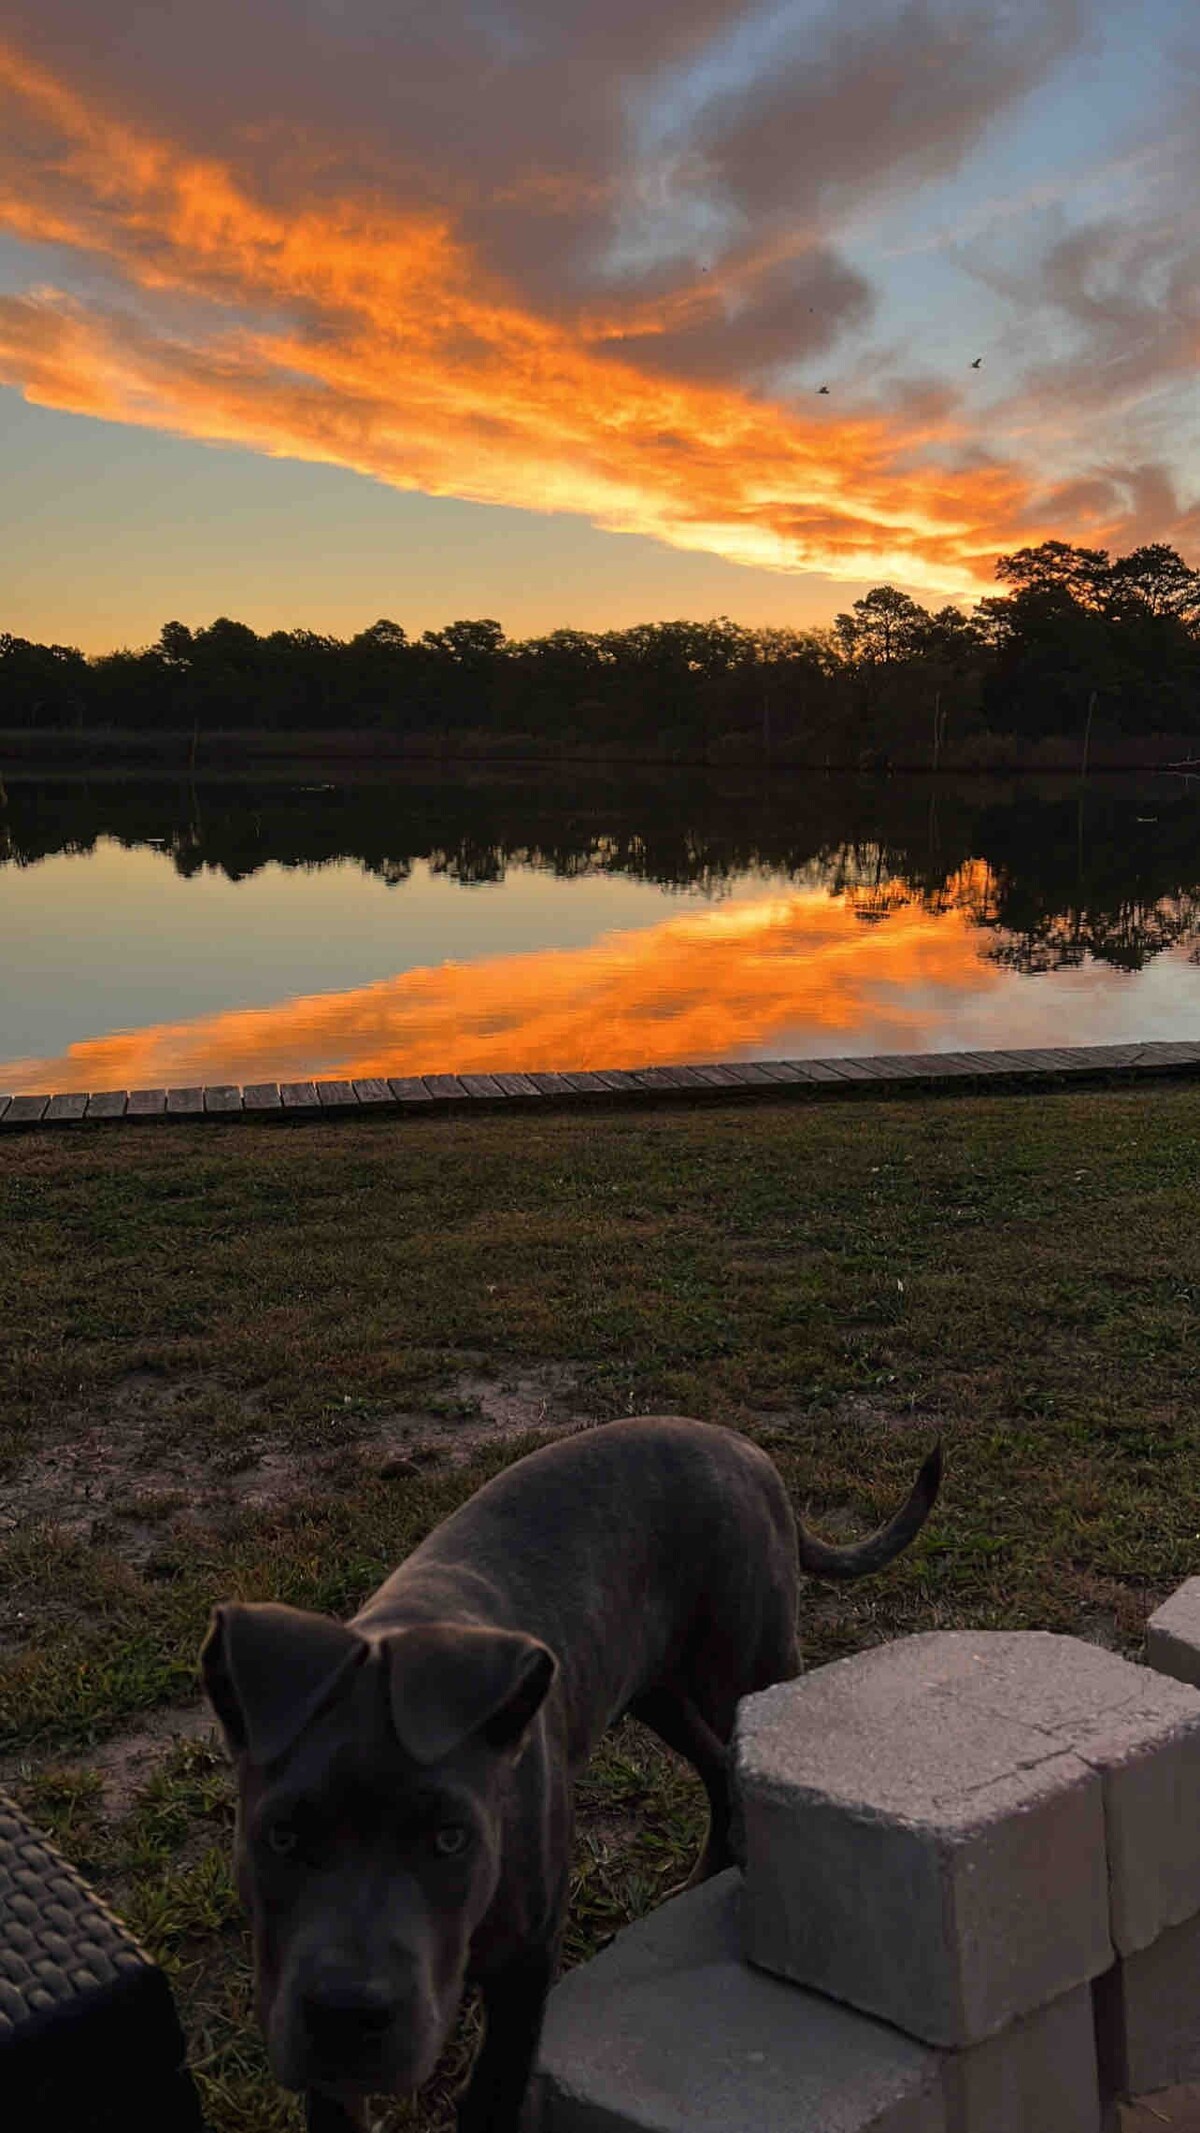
(1148, 2015)
(952, 1829)
(915, 1854)
(1037, 2076)
(670, 2031)
(1141, 1734)
(1173, 1635)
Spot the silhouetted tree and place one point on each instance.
(175, 644)
(42, 684)
(1057, 567)
(881, 628)
(1157, 579)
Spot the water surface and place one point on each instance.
(158, 933)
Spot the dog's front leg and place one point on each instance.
(514, 2002)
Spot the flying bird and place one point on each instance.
(822, 389)
(976, 364)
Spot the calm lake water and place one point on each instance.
(156, 933)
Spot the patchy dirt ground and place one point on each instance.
(125, 1764)
(160, 1461)
(152, 1473)
(174, 1455)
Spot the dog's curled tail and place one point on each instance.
(822, 1561)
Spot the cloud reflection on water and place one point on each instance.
(785, 973)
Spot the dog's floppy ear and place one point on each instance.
(448, 1682)
(267, 1670)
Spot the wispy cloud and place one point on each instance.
(410, 250)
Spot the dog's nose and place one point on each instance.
(346, 2013)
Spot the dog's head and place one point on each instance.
(371, 1777)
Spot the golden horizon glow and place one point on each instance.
(365, 334)
(703, 985)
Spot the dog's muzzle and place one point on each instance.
(343, 2020)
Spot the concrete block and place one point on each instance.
(670, 2031)
(1141, 1734)
(914, 1853)
(948, 1830)
(1173, 1635)
(1037, 2076)
(1148, 2015)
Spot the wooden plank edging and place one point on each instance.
(415, 1095)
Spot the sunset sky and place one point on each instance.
(313, 311)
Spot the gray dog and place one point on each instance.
(404, 1815)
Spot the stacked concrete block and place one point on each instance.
(1037, 2075)
(1148, 2015)
(1029, 1803)
(976, 1861)
(670, 2031)
(1148, 2004)
(1173, 1635)
(931, 1861)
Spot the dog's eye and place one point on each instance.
(282, 1840)
(450, 1839)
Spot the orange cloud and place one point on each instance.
(754, 974)
(367, 334)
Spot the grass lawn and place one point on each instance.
(256, 1362)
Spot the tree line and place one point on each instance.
(1074, 641)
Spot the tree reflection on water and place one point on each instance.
(1056, 871)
